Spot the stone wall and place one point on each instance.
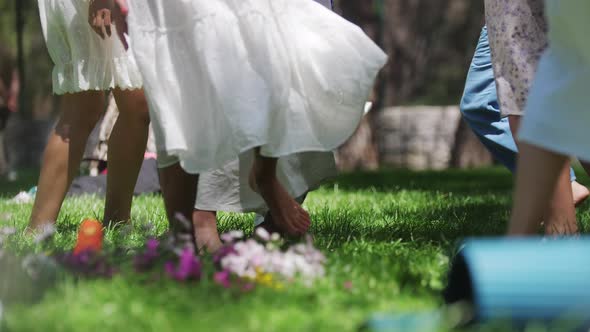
(427, 137)
(419, 138)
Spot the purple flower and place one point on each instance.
(170, 269)
(89, 264)
(221, 253)
(148, 259)
(152, 245)
(188, 268)
(222, 278)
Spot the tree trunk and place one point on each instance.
(430, 45)
(360, 152)
(20, 25)
(468, 151)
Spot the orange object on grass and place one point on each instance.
(89, 236)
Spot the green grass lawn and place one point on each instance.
(391, 233)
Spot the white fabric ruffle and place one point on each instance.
(83, 61)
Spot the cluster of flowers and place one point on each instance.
(179, 260)
(242, 263)
(262, 260)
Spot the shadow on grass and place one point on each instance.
(456, 181)
(434, 226)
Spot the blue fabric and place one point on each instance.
(481, 110)
(525, 280)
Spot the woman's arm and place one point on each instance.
(120, 18)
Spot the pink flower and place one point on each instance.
(247, 287)
(348, 285)
(222, 278)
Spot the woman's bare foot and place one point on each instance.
(563, 229)
(287, 215)
(581, 193)
(269, 225)
(205, 229)
(543, 191)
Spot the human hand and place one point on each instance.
(99, 17)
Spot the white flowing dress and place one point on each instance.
(226, 76)
(558, 111)
(227, 188)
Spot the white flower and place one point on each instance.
(186, 224)
(251, 257)
(23, 198)
(232, 236)
(31, 265)
(263, 234)
(7, 231)
(45, 233)
(235, 264)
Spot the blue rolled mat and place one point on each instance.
(409, 322)
(523, 280)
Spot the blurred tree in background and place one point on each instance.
(430, 44)
(37, 65)
(27, 130)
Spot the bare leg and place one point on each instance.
(126, 150)
(63, 154)
(205, 229)
(537, 176)
(561, 215)
(558, 213)
(179, 190)
(286, 213)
